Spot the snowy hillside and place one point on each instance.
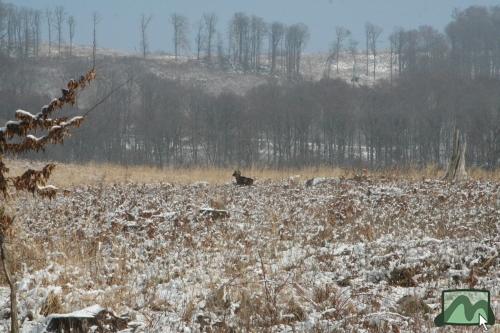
(214, 79)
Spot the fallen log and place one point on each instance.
(81, 321)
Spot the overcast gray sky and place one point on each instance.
(119, 28)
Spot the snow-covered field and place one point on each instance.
(340, 255)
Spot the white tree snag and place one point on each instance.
(456, 168)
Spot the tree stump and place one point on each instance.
(81, 321)
(456, 168)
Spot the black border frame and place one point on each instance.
(470, 290)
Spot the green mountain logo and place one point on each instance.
(465, 307)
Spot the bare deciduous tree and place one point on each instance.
(145, 21)
(258, 29)
(295, 40)
(210, 21)
(95, 21)
(48, 17)
(239, 38)
(341, 34)
(180, 26)
(37, 31)
(199, 38)
(353, 51)
(3, 19)
(60, 16)
(71, 28)
(276, 34)
(393, 40)
(26, 38)
(221, 56)
(19, 30)
(373, 33)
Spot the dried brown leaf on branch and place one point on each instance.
(48, 191)
(3, 180)
(57, 129)
(30, 179)
(5, 222)
(33, 181)
(26, 121)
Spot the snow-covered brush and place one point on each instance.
(15, 138)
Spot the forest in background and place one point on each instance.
(439, 81)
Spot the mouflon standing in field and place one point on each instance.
(240, 180)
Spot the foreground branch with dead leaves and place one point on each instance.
(15, 138)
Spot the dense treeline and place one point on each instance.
(20, 30)
(470, 46)
(438, 82)
(329, 122)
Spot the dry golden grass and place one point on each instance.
(52, 304)
(93, 173)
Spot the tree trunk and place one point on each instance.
(14, 323)
(456, 168)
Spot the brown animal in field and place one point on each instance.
(240, 180)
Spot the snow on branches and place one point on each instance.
(15, 138)
(25, 121)
(31, 179)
